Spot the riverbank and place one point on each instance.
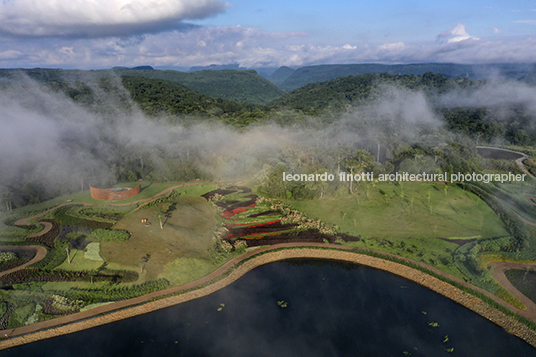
(236, 268)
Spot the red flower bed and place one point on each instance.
(262, 229)
(229, 214)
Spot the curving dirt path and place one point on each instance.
(40, 253)
(237, 267)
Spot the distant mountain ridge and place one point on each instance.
(322, 73)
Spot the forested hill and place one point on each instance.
(355, 90)
(322, 73)
(155, 97)
(238, 86)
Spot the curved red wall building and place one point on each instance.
(111, 194)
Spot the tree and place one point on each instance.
(160, 215)
(144, 261)
(68, 255)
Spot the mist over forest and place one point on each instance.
(62, 136)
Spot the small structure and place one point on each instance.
(114, 194)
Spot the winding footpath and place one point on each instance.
(237, 267)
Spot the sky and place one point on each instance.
(93, 34)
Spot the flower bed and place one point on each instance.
(230, 213)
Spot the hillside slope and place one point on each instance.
(354, 90)
(239, 86)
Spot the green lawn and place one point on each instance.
(187, 233)
(411, 210)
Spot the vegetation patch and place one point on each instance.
(183, 270)
(109, 235)
(524, 280)
(93, 252)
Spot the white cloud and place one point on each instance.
(99, 18)
(397, 46)
(10, 55)
(457, 34)
(530, 22)
(252, 47)
(496, 30)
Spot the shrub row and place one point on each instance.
(4, 320)
(156, 202)
(36, 275)
(93, 296)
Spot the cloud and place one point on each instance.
(252, 47)
(10, 55)
(496, 30)
(397, 46)
(531, 22)
(457, 34)
(100, 18)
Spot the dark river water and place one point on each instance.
(332, 309)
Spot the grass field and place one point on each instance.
(187, 233)
(418, 210)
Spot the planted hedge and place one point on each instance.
(97, 295)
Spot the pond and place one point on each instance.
(299, 307)
(498, 154)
